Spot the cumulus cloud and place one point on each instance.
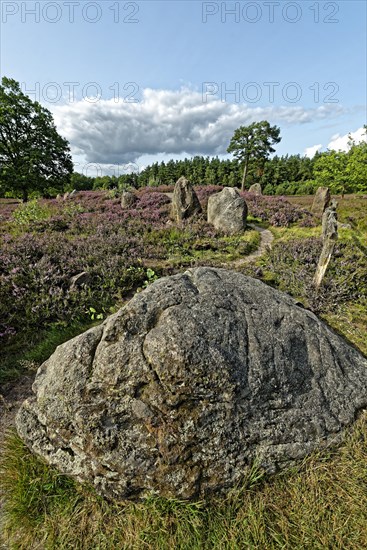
(166, 122)
(311, 151)
(340, 143)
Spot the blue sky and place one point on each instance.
(152, 80)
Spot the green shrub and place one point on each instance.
(30, 212)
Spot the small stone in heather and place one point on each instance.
(128, 199)
(79, 280)
(255, 189)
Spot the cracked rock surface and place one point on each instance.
(190, 382)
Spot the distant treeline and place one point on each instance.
(343, 172)
(212, 171)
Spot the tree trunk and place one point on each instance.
(25, 195)
(244, 175)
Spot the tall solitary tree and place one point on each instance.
(253, 142)
(33, 156)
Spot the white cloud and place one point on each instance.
(164, 121)
(311, 151)
(340, 143)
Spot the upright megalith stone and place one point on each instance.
(185, 202)
(329, 238)
(321, 201)
(227, 211)
(255, 189)
(195, 378)
(128, 199)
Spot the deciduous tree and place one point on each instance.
(33, 156)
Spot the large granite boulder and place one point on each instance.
(321, 201)
(182, 389)
(185, 202)
(227, 211)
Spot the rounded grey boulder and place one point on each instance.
(227, 211)
(182, 389)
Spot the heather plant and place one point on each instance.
(120, 249)
(204, 192)
(291, 266)
(278, 211)
(7, 208)
(117, 246)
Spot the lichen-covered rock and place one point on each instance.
(128, 199)
(185, 202)
(321, 201)
(227, 211)
(190, 382)
(255, 189)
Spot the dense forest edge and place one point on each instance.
(343, 172)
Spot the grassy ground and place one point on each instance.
(321, 504)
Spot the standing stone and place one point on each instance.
(255, 189)
(227, 211)
(73, 193)
(185, 202)
(79, 280)
(321, 201)
(330, 222)
(329, 238)
(193, 380)
(128, 199)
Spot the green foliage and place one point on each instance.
(92, 312)
(80, 182)
(343, 172)
(30, 212)
(151, 277)
(356, 169)
(72, 209)
(253, 142)
(330, 171)
(293, 170)
(33, 156)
